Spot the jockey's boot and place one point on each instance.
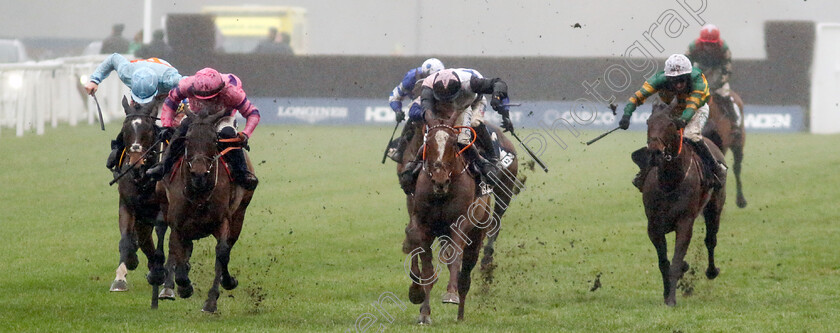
(170, 155)
(486, 144)
(727, 106)
(639, 179)
(116, 149)
(396, 153)
(642, 158)
(408, 178)
(715, 171)
(486, 168)
(239, 168)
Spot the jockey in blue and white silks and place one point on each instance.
(409, 87)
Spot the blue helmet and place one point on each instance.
(144, 85)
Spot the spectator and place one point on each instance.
(136, 43)
(115, 43)
(276, 43)
(157, 48)
(285, 44)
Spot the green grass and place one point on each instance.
(322, 241)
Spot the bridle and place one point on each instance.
(453, 130)
(668, 156)
(136, 147)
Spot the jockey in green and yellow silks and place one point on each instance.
(688, 86)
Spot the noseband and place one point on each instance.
(453, 130)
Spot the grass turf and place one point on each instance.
(322, 242)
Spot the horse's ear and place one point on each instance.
(126, 107)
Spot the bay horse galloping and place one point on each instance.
(444, 206)
(503, 193)
(721, 130)
(674, 194)
(203, 201)
(140, 207)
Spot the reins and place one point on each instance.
(455, 130)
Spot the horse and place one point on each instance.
(203, 201)
(140, 206)
(444, 206)
(508, 183)
(674, 194)
(719, 129)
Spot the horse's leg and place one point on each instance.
(657, 237)
(180, 251)
(128, 249)
(711, 213)
(146, 243)
(678, 265)
(453, 261)
(471, 253)
(429, 278)
(738, 155)
(413, 245)
(501, 202)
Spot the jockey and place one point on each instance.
(209, 87)
(147, 78)
(409, 87)
(711, 54)
(690, 88)
(463, 89)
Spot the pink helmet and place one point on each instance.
(446, 86)
(207, 83)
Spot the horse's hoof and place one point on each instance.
(712, 273)
(185, 292)
(416, 294)
(209, 307)
(119, 285)
(451, 298)
(131, 262)
(229, 284)
(741, 202)
(424, 320)
(167, 293)
(671, 302)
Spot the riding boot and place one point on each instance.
(486, 144)
(395, 153)
(715, 171)
(170, 156)
(116, 149)
(486, 169)
(733, 116)
(642, 158)
(239, 168)
(408, 178)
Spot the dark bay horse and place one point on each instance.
(719, 130)
(140, 206)
(203, 201)
(444, 207)
(674, 195)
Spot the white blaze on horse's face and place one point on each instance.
(136, 146)
(440, 138)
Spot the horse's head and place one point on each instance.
(138, 129)
(201, 146)
(663, 136)
(441, 158)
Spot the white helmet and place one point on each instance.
(431, 66)
(676, 65)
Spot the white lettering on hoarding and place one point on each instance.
(312, 114)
